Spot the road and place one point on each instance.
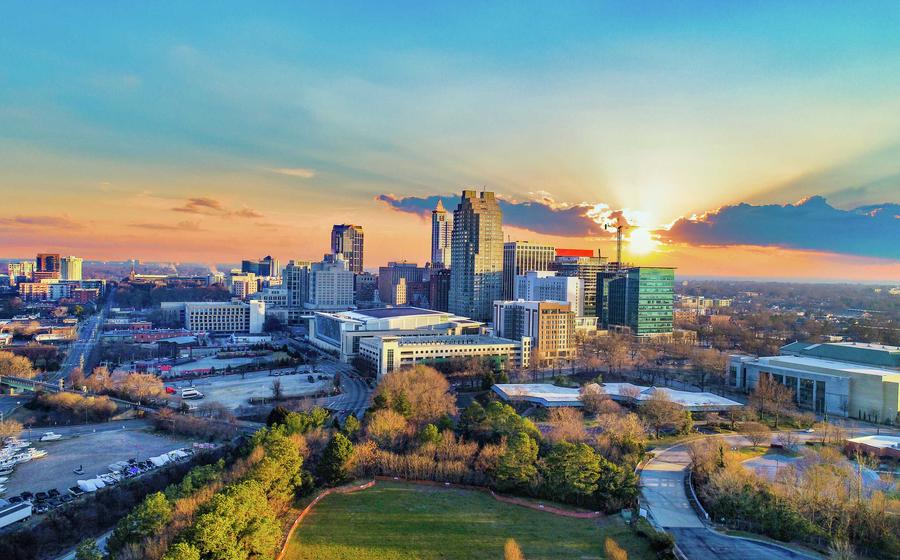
(87, 337)
(34, 434)
(101, 544)
(663, 494)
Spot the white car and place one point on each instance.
(50, 436)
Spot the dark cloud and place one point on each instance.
(811, 224)
(212, 207)
(544, 216)
(39, 221)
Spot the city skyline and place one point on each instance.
(203, 143)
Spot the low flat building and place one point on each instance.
(541, 394)
(341, 332)
(881, 446)
(546, 395)
(390, 353)
(219, 316)
(843, 379)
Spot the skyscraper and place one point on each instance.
(520, 257)
(264, 267)
(70, 268)
(639, 299)
(441, 236)
(477, 256)
(347, 239)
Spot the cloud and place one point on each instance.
(211, 207)
(180, 226)
(40, 221)
(811, 224)
(544, 215)
(301, 172)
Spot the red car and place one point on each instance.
(170, 390)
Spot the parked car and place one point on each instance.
(41, 497)
(53, 493)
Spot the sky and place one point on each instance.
(751, 139)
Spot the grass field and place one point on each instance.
(396, 521)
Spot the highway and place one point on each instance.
(87, 337)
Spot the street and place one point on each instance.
(87, 337)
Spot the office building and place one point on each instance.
(477, 256)
(242, 284)
(70, 268)
(639, 300)
(439, 289)
(365, 286)
(847, 379)
(520, 257)
(20, 272)
(581, 263)
(402, 283)
(441, 236)
(219, 316)
(547, 286)
(550, 326)
(266, 267)
(341, 332)
(390, 353)
(47, 267)
(347, 239)
(330, 284)
(295, 280)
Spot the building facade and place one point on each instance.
(219, 316)
(640, 300)
(550, 326)
(441, 236)
(581, 263)
(46, 267)
(439, 289)
(547, 286)
(403, 283)
(347, 239)
(295, 280)
(20, 272)
(520, 257)
(330, 284)
(70, 268)
(477, 256)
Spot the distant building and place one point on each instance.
(441, 236)
(581, 263)
(439, 289)
(520, 257)
(20, 272)
(547, 286)
(70, 268)
(347, 239)
(550, 325)
(47, 267)
(403, 283)
(219, 316)
(637, 299)
(266, 267)
(295, 280)
(845, 379)
(341, 332)
(390, 353)
(477, 256)
(364, 287)
(242, 284)
(551, 396)
(330, 284)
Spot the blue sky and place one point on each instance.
(665, 109)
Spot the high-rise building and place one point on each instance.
(441, 236)
(365, 286)
(639, 299)
(295, 279)
(242, 284)
(330, 284)
(414, 279)
(70, 268)
(547, 286)
(550, 325)
(439, 289)
(520, 257)
(46, 266)
(581, 263)
(266, 267)
(20, 272)
(347, 239)
(477, 256)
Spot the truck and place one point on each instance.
(10, 513)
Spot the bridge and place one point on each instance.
(33, 386)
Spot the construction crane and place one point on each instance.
(619, 227)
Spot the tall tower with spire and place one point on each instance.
(441, 235)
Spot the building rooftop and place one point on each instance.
(882, 441)
(833, 365)
(878, 355)
(540, 393)
(463, 339)
(551, 395)
(391, 312)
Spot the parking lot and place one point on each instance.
(92, 451)
(233, 392)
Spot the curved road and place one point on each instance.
(664, 495)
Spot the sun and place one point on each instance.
(641, 241)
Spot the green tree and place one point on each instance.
(146, 519)
(429, 434)
(471, 417)
(182, 551)
(88, 550)
(571, 471)
(333, 465)
(517, 466)
(351, 426)
(401, 404)
(236, 523)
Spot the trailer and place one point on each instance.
(10, 513)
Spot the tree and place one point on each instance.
(182, 551)
(427, 390)
(511, 550)
(277, 391)
(471, 417)
(401, 405)
(429, 434)
(88, 550)
(659, 411)
(386, 427)
(10, 428)
(613, 550)
(593, 396)
(16, 366)
(771, 397)
(571, 471)
(278, 415)
(140, 386)
(333, 465)
(146, 519)
(566, 424)
(351, 426)
(517, 466)
(756, 432)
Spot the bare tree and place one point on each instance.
(659, 411)
(756, 432)
(277, 391)
(772, 397)
(566, 424)
(593, 397)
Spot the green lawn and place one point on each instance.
(396, 521)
